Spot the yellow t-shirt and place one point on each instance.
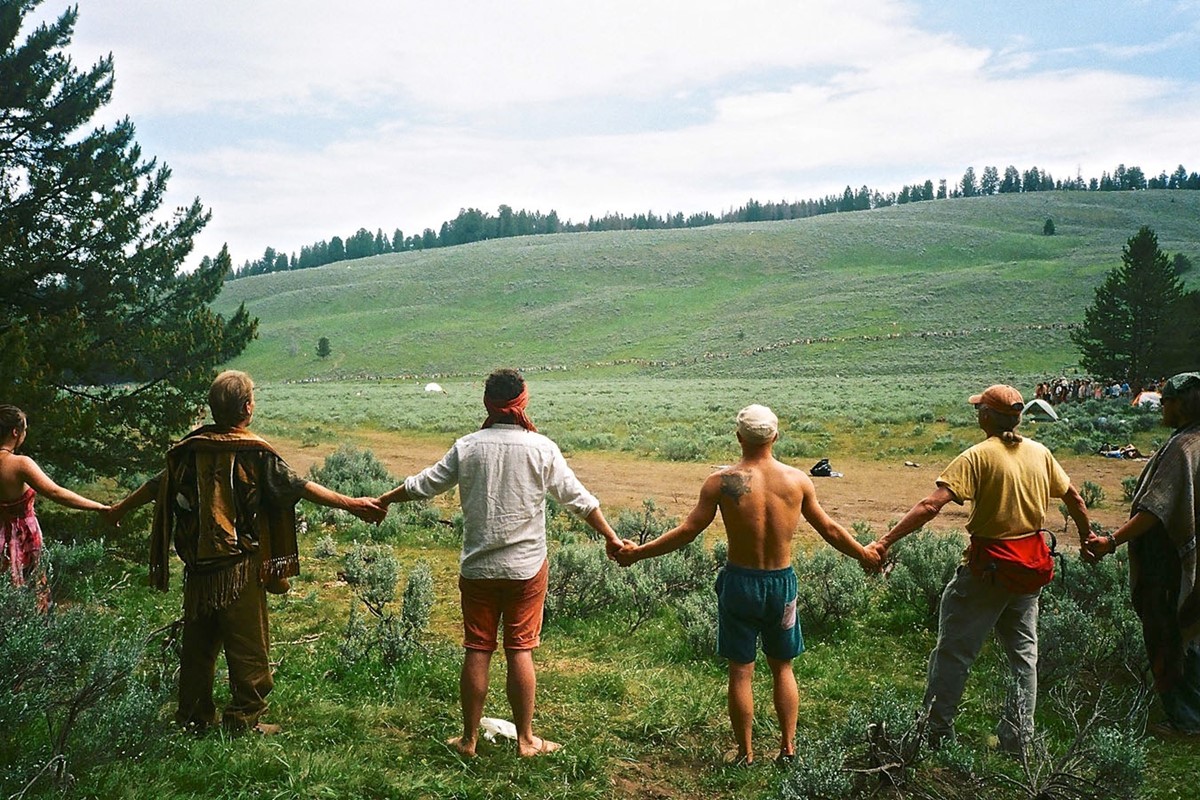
(1010, 486)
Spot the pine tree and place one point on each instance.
(107, 346)
(1140, 327)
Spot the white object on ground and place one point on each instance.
(493, 727)
(433, 387)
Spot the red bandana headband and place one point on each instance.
(509, 408)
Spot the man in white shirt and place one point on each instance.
(504, 472)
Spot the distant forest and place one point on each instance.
(474, 225)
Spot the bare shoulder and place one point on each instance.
(733, 482)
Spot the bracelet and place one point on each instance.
(1112, 542)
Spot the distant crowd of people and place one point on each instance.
(1073, 390)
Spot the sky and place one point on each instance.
(297, 120)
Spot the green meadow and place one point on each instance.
(968, 286)
(865, 331)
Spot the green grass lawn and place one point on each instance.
(721, 301)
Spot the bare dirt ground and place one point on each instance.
(875, 492)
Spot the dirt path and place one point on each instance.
(874, 492)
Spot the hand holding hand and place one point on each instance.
(1096, 547)
(627, 555)
(368, 509)
(612, 547)
(112, 515)
(873, 556)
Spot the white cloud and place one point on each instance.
(429, 107)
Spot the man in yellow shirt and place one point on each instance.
(1010, 480)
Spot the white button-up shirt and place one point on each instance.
(504, 474)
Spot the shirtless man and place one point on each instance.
(761, 501)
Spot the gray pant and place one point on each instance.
(971, 609)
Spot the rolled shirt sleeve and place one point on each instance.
(434, 480)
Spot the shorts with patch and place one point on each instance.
(753, 603)
(519, 603)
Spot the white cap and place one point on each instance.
(757, 424)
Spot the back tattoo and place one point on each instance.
(735, 485)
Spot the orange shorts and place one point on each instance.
(485, 601)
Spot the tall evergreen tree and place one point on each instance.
(1141, 326)
(103, 341)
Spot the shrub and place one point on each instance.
(925, 563)
(372, 571)
(832, 590)
(1093, 494)
(1128, 487)
(584, 583)
(77, 693)
(353, 472)
(1087, 625)
(73, 570)
(325, 547)
(697, 614)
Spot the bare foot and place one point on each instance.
(538, 747)
(465, 749)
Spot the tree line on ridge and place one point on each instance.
(474, 225)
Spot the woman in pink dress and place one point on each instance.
(20, 480)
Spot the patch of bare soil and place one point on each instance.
(875, 492)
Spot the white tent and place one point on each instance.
(433, 387)
(1037, 408)
(1153, 399)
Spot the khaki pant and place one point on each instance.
(971, 609)
(240, 629)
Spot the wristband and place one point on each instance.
(1112, 542)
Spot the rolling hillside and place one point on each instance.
(908, 290)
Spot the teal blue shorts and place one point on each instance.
(753, 603)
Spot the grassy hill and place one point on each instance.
(925, 287)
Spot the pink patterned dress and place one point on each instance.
(20, 537)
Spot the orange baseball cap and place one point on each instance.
(1001, 398)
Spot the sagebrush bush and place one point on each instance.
(925, 563)
(373, 572)
(584, 583)
(1092, 493)
(353, 472)
(1087, 625)
(697, 613)
(73, 571)
(832, 589)
(77, 691)
(1128, 487)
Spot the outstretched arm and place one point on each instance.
(831, 531)
(136, 499)
(697, 520)
(612, 543)
(32, 474)
(917, 517)
(1096, 547)
(368, 509)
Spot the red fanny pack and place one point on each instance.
(1019, 565)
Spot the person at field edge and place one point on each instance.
(226, 501)
(1010, 480)
(1162, 537)
(21, 479)
(504, 472)
(761, 501)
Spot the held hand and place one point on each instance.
(1096, 547)
(627, 555)
(873, 556)
(112, 515)
(612, 547)
(368, 509)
